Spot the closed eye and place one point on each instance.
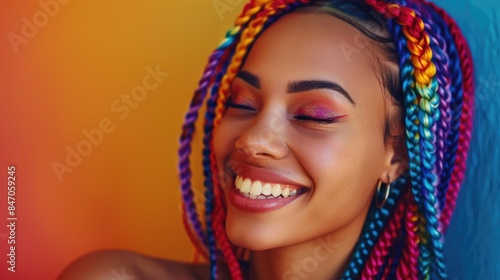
(316, 120)
(231, 104)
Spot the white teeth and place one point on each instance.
(238, 182)
(276, 190)
(267, 189)
(260, 190)
(245, 186)
(256, 188)
(286, 192)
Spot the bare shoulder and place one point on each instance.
(127, 265)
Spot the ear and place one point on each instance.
(395, 163)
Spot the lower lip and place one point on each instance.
(257, 205)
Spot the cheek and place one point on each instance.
(344, 167)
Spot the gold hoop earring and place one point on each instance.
(386, 194)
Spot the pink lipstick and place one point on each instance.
(259, 190)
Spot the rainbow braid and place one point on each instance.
(404, 238)
(440, 59)
(450, 92)
(414, 154)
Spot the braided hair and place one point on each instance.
(404, 238)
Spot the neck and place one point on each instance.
(324, 257)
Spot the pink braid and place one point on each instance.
(408, 266)
(384, 243)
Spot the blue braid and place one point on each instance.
(375, 222)
(394, 255)
(397, 252)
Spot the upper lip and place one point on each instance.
(263, 174)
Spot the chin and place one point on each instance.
(253, 234)
(252, 243)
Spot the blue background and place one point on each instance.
(472, 245)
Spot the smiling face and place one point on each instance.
(304, 130)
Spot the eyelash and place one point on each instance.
(304, 118)
(238, 106)
(311, 119)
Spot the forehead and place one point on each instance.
(312, 45)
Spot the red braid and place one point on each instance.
(408, 266)
(218, 225)
(219, 217)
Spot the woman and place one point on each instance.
(336, 135)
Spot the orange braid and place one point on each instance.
(418, 41)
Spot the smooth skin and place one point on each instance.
(329, 141)
(127, 265)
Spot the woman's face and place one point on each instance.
(305, 131)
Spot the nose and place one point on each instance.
(264, 139)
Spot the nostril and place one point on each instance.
(242, 150)
(263, 154)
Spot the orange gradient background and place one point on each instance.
(81, 58)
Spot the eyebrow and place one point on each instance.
(298, 86)
(301, 86)
(249, 78)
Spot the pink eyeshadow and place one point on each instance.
(316, 111)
